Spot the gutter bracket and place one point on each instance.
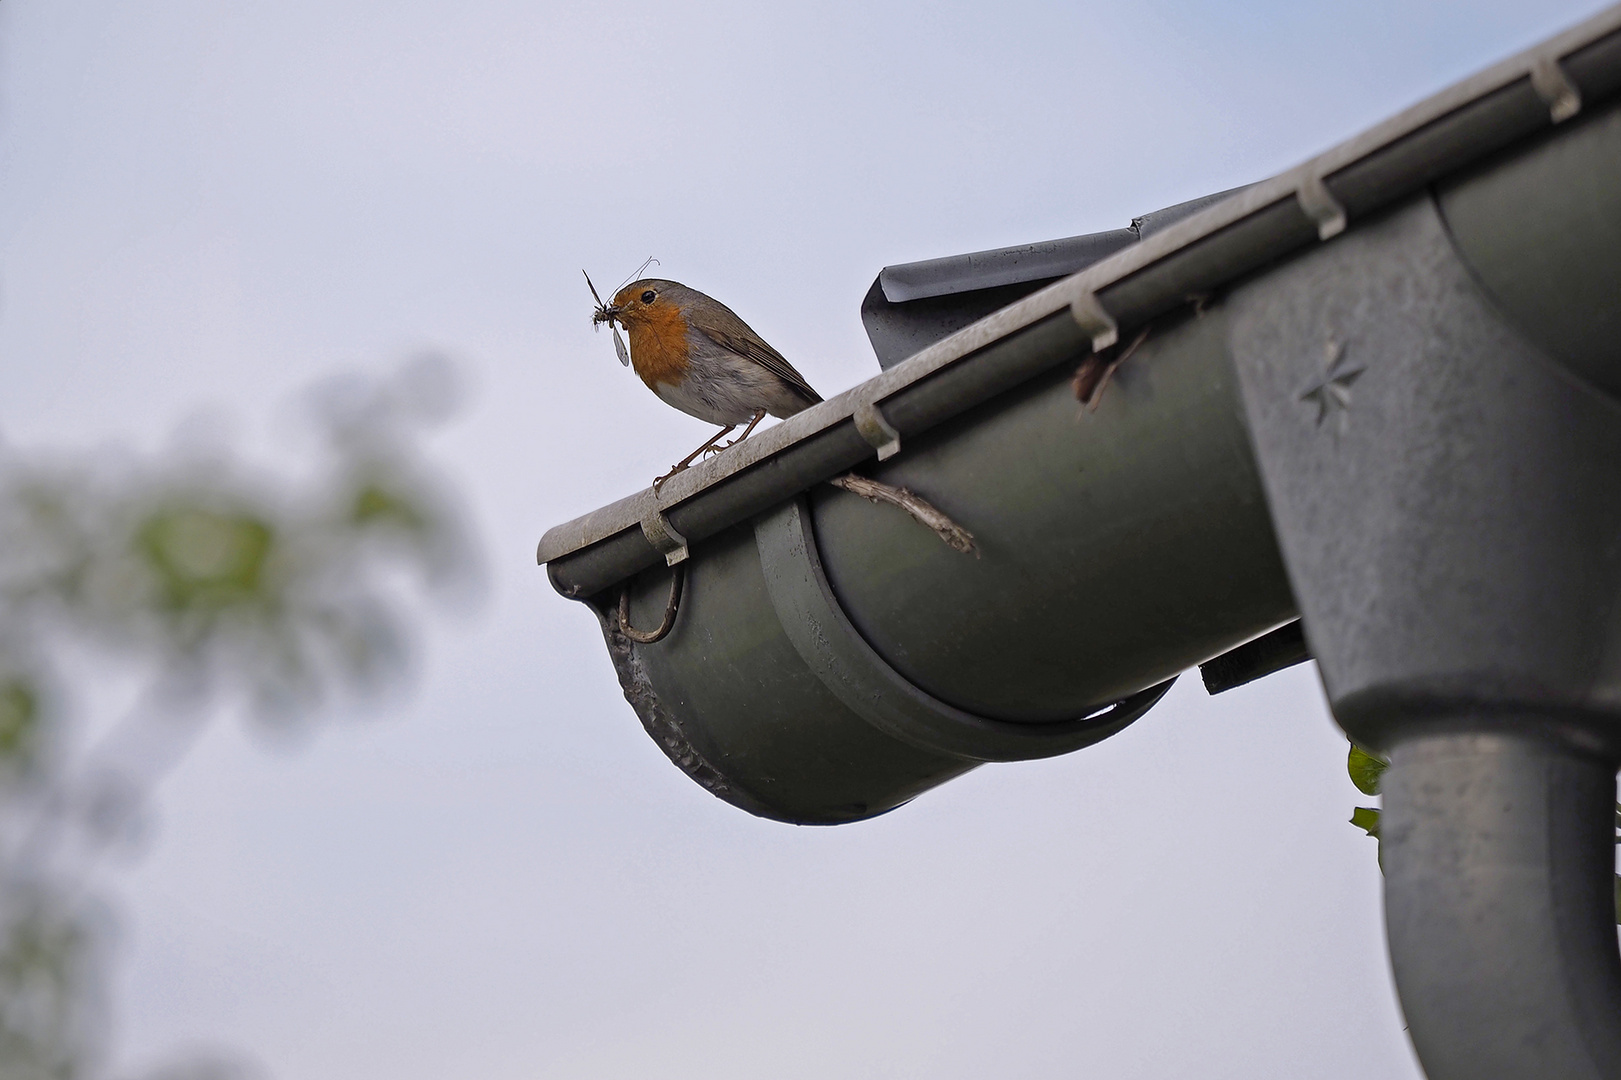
(1096, 322)
(663, 536)
(1556, 90)
(878, 431)
(1319, 204)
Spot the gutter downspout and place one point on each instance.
(1499, 856)
(1444, 474)
(1498, 834)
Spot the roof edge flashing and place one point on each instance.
(1043, 260)
(978, 270)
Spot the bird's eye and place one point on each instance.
(648, 296)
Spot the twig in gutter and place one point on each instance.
(1096, 370)
(959, 538)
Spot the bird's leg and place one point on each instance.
(686, 461)
(708, 447)
(759, 414)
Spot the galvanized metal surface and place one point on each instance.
(900, 331)
(1447, 498)
(728, 698)
(1004, 266)
(865, 682)
(1112, 557)
(1499, 904)
(1552, 264)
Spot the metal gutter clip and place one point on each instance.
(1553, 86)
(663, 536)
(1321, 206)
(1094, 321)
(870, 422)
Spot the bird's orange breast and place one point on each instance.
(658, 345)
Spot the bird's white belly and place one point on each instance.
(721, 387)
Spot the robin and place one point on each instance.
(696, 354)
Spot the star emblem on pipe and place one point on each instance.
(1332, 393)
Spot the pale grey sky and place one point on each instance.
(209, 205)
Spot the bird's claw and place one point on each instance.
(658, 481)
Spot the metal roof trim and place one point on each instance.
(952, 275)
(955, 274)
(1309, 186)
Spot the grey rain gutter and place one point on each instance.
(1379, 393)
(1198, 256)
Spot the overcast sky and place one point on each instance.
(207, 205)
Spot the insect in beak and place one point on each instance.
(609, 315)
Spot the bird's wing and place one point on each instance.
(724, 328)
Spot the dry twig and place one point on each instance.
(1096, 370)
(959, 538)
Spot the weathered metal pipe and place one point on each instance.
(1442, 458)
(1498, 839)
(1499, 857)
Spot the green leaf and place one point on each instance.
(1366, 818)
(1365, 770)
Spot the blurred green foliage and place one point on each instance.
(48, 985)
(203, 560)
(19, 722)
(212, 584)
